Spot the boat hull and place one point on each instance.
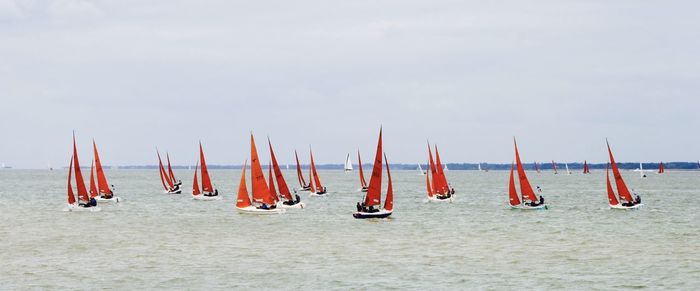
(201, 197)
(435, 199)
(174, 192)
(313, 194)
(253, 210)
(618, 206)
(525, 207)
(114, 199)
(299, 205)
(366, 215)
(77, 208)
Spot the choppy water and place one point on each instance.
(155, 240)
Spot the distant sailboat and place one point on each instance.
(363, 183)
(661, 168)
(445, 168)
(537, 168)
(554, 167)
(641, 171)
(374, 196)
(567, 168)
(586, 170)
(420, 170)
(106, 192)
(303, 186)
(628, 202)
(317, 188)
(348, 164)
(84, 203)
(263, 202)
(287, 200)
(208, 192)
(170, 185)
(479, 167)
(440, 189)
(529, 198)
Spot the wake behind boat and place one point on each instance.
(529, 198)
(263, 202)
(208, 192)
(626, 200)
(367, 209)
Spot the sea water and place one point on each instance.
(153, 240)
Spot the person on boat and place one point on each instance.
(541, 200)
(535, 203)
(322, 191)
(359, 207)
(91, 203)
(637, 199)
(297, 198)
(212, 194)
(108, 195)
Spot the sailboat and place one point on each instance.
(420, 170)
(316, 188)
(445, 169)
(363, 183)
(586, 170)
(567, 168)
(537, 168)
(83, 196)
(554, 167)
(168, 178)
(627, 201)
(287, 200)
(106, 193)
(528, 196)
(374, 195)
(661, 168)
(641, 171)
(303, 186)
(440, 190)
(264, 201)
(479, 167)
(348, 164)
(208, 192)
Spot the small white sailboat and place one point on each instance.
(445, 169)
(348, 164)
(479, 165)
(641, 171)
(420, 170)
(567, 168)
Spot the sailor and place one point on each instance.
(541, 200)
(298, 199)
(637, 199)
(264, 206)
(359, 207)
(91, 203)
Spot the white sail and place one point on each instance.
(348, 164)
(567, 168)
(479, 167)
(445, 168)
(420, 169)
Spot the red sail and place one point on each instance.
(586, 170)
(311, 179)
(554, 167)
(102, 184)
(442, 180)
(71, 196)
(93, 187)
(611, 194)
(259, 186)
(512, 193)
(281, 184)
(661, 168)
(242, 199)
(619, 182)
(163, 177)
(389, 202)
(428, 186)
(300, 176)
(271, 185)
(171, 175)
(206, 182)
(80, 183)
(195, 183)
(433, 171)
(525, 188)
(362, 175)
(317, 180)
(373, 196)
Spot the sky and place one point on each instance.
(561, 76)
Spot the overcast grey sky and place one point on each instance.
(468, 75)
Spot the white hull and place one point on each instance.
(253, 210)
(382, 213)
(299, 205)
(435, 199)
(201, 197)
(313, 194)
(76, 208)
(619, 206)
(114, 199)
(525, 207)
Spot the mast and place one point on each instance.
(619, 182)
(373, 196)
(206, 181)
(282, 185)
(525, 188)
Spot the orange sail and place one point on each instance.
(281, 184)
(195, 183)
(611, 194)
(512, 193)
(661, 168)
(525, 187)
(428, 186)
(71, 195)
(163, 176)
(300, 176)
(619, 182)
(363, 183)
(373, 196)
(586, 170)
(93, 187)
(102, 184)
(206, 182)
(80, 183)
(442, 180)
(317, 180)
(171, 175)
(271, 185)
(260, 191)
(242, 200)
(433, 171)
(389, 201)
(311, 179)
